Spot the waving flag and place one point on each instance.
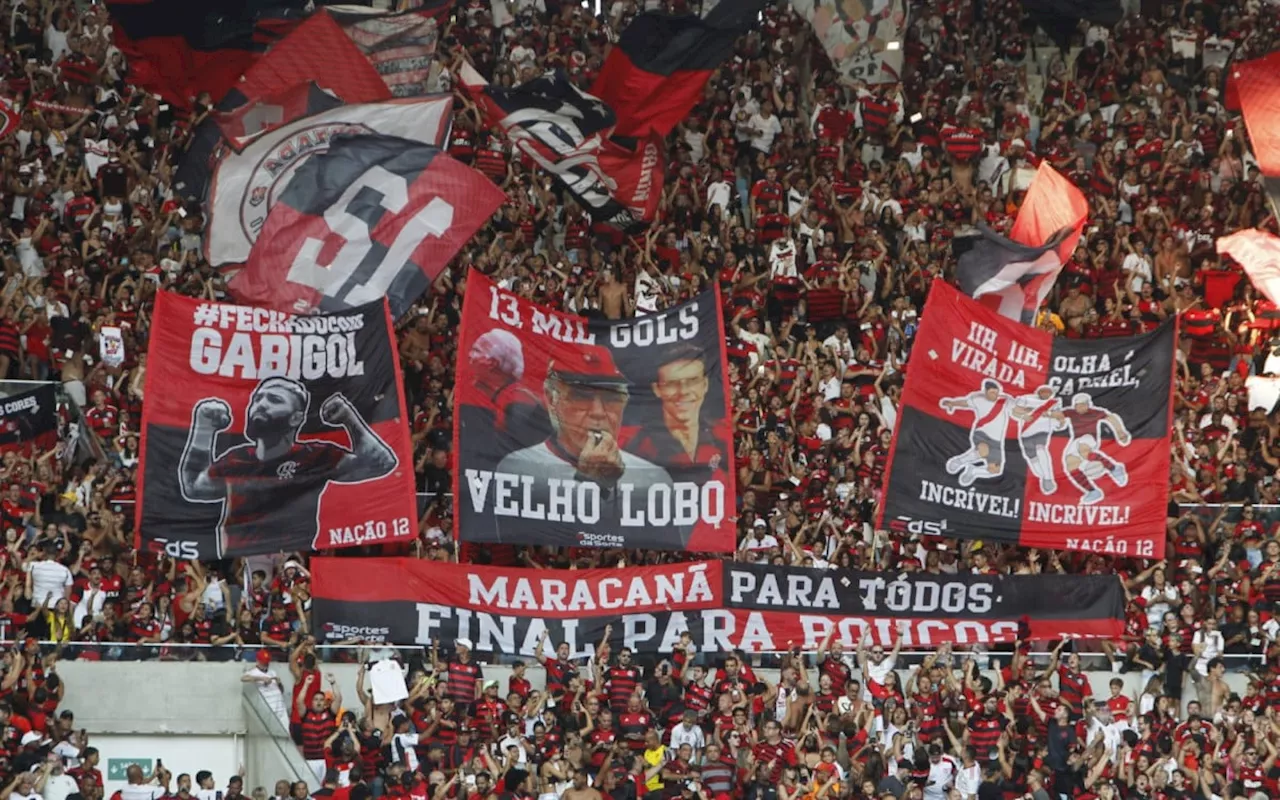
(862, 39)
(181, 48)
(247, 184)
(348, 55)
(372, 216)
(1259, 253)
(656, 73)
(1014, 275)
(569, 133)
(1258, 85)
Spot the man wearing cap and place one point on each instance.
(250, 479)
(595, 480)
(269, 685)
(462, 675)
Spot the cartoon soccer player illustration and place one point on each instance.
(1039, 415)
(1083, 458)
(991, 409)
(270, 486)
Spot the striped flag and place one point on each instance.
(1014, 275)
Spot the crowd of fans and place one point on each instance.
(824, 212)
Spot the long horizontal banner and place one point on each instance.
(723, 606)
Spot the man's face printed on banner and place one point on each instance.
(580, 411)
(681, 386)
(275, 410)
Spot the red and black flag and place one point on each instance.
(1013, 276)
(181, 48)
(655, 74)
(1060, 18)
(1009, 433)
(372, 216)
(570, 134)
(1258, 85)
(334, 56)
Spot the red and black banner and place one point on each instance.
(590, 432)
(657, 71)
(1009, 433)
(268, 432)
(181, 48)
(723, 606)
(29, 420)
(371, 217)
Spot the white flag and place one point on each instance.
(111, 346)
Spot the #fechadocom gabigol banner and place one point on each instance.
(1009, 433)
(265, 432)
(592, 433)
(723, 606)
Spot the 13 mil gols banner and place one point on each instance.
(590, 432)
(265, 432)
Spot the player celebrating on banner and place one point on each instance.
(1083, 457)
(270, 487)
(991, 409)
(1039, 415)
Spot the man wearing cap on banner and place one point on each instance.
(585, 396)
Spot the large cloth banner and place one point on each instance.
(863, 39)
(723, 606)
(267, 432)
(29, 419)
(592, 433)
(1009, 433)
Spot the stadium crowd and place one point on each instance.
(824, 212)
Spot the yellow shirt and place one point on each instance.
(654, 758)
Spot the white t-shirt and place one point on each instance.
(49, 579)
(692, 736)
(764, 131)
(142, 791)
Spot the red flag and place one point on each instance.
(319, 51)
(1258, 83)
(656, 73)
(1052, 204)
(1259, 253)
(181, 48)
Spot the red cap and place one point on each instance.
(586, 365)
(264, 655)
